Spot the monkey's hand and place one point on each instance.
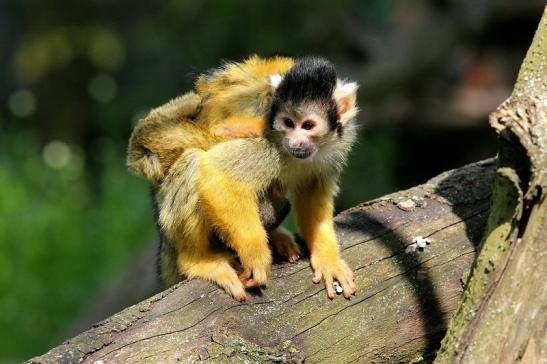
(331, 267)
(284, 243)
(257, 266)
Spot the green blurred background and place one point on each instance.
(76, 234)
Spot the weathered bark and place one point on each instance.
(503, 313)
(399, 314)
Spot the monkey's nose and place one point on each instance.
(299, 148)
(297, 144)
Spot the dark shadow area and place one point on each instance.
(463, 187)
(467, 190)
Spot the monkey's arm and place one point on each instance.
(232, 176)
(314, 213)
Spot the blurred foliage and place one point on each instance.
(59, 244)
(78, 75)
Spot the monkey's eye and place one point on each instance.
(288, 123)
(308, 125)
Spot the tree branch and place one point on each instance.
(399, 314)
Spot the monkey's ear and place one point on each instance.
(274, 80)
(345, 95)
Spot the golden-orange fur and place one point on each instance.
(241, 126)
(209, 164)
(239, 88)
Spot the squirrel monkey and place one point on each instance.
(310, 130)
(228, 103)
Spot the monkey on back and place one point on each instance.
(227, 104)
(240, 143)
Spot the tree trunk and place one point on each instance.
(503, 313)
(400, 312)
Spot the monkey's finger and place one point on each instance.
(317, 276)
(328, 284)
(352, 284)
(253, 282)
(294, 258)
(245, 276)
(350, 278)
(346, 287)
(260, 276)
(234, 288)
(240, 297)
(250, 283)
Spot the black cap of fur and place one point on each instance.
(310, 79)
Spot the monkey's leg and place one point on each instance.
(284, 244)
(196, 260)
(231, 207)
(314, 211)
(168, 270)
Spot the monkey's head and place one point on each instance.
(309, 105)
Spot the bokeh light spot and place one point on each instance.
(56, 154)
(102, 88)
(38, 54)
(106, 50)
(22, 103)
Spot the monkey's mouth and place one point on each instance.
(301, 153)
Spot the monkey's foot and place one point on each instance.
(219, 270)
(332, 269)
(256, 268)
(284, 244)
